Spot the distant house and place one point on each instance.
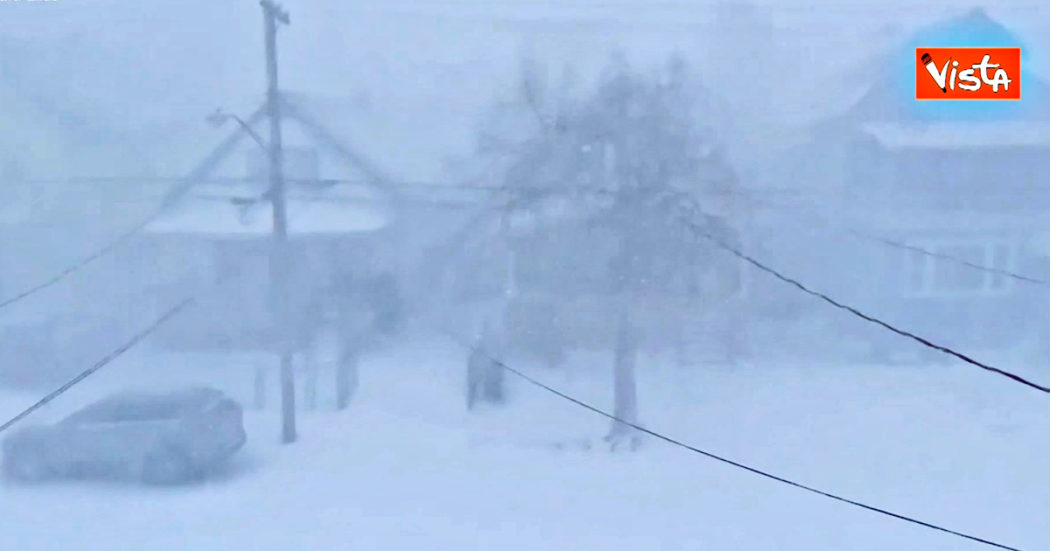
(965, 180)
(214, 242)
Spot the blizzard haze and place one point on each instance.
(520, 275)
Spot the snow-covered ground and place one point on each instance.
(406, 468)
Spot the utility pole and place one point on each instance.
(279, 261)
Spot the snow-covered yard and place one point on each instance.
(406, 468)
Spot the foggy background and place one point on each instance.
(511, 175)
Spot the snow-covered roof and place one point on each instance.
(886, 75)
(235, 211)
(955, 135)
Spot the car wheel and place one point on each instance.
(167, 467)
(26, 466)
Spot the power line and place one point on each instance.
(876, 238)
(101, 363)
(921, 340)
(692, 209)
(950, 258)
(134, 230)
(123, 237)
(97, 254)
(731, 462)
(100, 252)
(926, 252)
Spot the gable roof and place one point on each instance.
(974, 28)
(196, 207)
(891, 89)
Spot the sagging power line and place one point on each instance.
(116, 353)
(688, 221)
(180, 187)
(730, 462)
(868, 236)
(736, 252)
(949, 258)
(108, 248)
(692, 210)
(859, 234)
(76, 266)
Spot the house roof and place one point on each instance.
(890, 86)
(956, 134)
(974, 28)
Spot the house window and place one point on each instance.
(954, 268)
(952, 276)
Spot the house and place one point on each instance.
(214, 240)
(963, 180)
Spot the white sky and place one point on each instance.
(155, 69)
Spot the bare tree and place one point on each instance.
(611, 165)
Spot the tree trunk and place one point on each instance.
(625, 394)
(345, 378)
(287, 399)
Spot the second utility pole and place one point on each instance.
(279, 261)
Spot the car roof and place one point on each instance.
(145, 406)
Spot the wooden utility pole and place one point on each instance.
(279, 261)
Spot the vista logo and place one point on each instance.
(968, 73)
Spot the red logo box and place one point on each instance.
(968, 73)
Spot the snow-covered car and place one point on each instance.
(160, 438)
